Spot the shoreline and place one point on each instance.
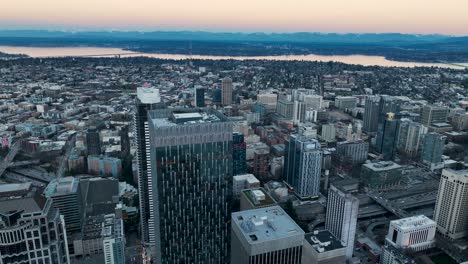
(96, 51)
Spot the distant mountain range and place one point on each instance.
(403, 47)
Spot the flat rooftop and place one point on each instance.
(15, 187)
(382, 165)
(265, 224)
(175, 117)
(62, 186)
(258, 197)
(323, 241)
(412, 222)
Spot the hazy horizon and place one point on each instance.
(334, 16)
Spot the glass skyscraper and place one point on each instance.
(239, 154)
(148, 98)
(191, 171)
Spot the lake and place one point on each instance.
(45, 52)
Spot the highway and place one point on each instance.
(6, 162)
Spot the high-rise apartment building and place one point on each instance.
(239, 165)
(434, 114)
(265, 235)
(341, 217)
(226, 89)
(451, 214)
(93, 142)
(410, 137)
(191, 185)
(303, 165)
(200, 97)
(268, 99)
(313, 101)
(285, 108)
(32, 231)
(354, 151)
(433, 148)
(147, 99)
(328, 133)
(415, 233)
(345, 102)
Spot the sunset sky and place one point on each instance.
(404, 16)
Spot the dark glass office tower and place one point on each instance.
(238, 154)
(147, 99)
(93, 143)
(124, 141)
(387, 137)
(200, 97)
(191, 169)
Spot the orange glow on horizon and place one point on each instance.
(415, 16)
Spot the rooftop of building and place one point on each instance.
(24, 204)
(265, 224)
(258, 197)
(382, 166)
(186, 116)
(148, 95)
(250, 178)
(413, 222)
(62, 186)
(15, 187)
(323, 241)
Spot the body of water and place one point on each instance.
(40, 52)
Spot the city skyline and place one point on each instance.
(363, 16)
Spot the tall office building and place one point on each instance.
(345, 102)
(239, 148)
(93, 142)
(386, 137)
(124, 142)
(328, 133)
(410, 137)
(226, 89)
(432, 114)
(265, 235)
(433, 148)
(200, 97)
(217, 96)
(191, 172)
(451, 214)
(313, 101)
(113, 240)
(341, 217)
(388, 104)
(354, 151)
(416, 233)
(147, 99)
(303, 165)
(371, 114)
(285, 108)
(376, 109)
(65, 194)
(32, 231)
(299, 109)
(268, 99)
